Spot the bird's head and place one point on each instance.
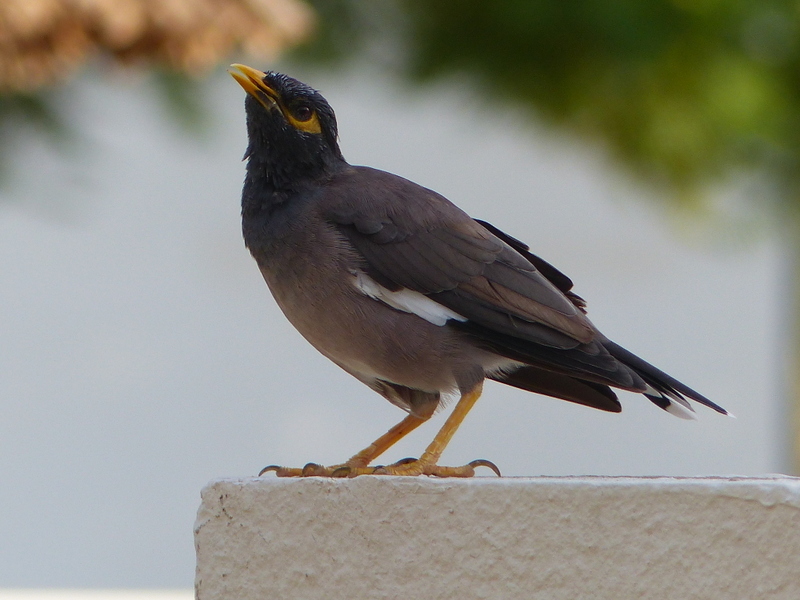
(291, 128)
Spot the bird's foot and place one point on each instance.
(407, 467)
(413, 466)
(309, 470)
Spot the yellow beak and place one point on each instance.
(252, 81)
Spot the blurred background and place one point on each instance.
(647, 148)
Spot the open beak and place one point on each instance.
(252, 81)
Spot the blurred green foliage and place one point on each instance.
(43, 113)
(182, 99)
(20, 113)
(682, 91)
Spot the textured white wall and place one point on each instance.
(582, 537)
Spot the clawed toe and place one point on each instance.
(317, 470)
(482, 462)
(281, 471)
(405, 461)
(404, 467)
(413, 466)
(309, 470)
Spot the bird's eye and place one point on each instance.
(303, 113)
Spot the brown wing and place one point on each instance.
(554, 276)
(414, 238)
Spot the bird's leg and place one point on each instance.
(387, 440)
(426, 464)
(358, 463)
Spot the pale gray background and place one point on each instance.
(142, 355)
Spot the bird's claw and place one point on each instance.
(482, 462)
(413, 466)
(405, 461)
(283, 471)
(342, 471)
(309, 470)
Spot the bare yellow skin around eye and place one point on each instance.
(309, 126)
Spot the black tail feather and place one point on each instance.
(541, 381)
(668, 386)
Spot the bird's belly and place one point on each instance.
(368, 338)
(371, 340)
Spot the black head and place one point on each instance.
(291, 129)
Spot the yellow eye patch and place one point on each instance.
(310, 125)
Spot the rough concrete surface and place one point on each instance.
(571, 538)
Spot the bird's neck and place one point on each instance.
(269, 184)
(281, 161)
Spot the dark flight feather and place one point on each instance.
(540, 381)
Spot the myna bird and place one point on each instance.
(408, 293)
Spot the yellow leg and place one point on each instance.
(434, 450)
(425, 465)
(386, 441)
(359, 461)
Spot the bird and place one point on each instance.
(409, 294)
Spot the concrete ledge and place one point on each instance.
(571, 538)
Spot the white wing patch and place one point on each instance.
(405, 300)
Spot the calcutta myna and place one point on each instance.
(408, 293)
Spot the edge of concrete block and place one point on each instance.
(542, 537)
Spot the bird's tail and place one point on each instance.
(559, 385)
(664, 391)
